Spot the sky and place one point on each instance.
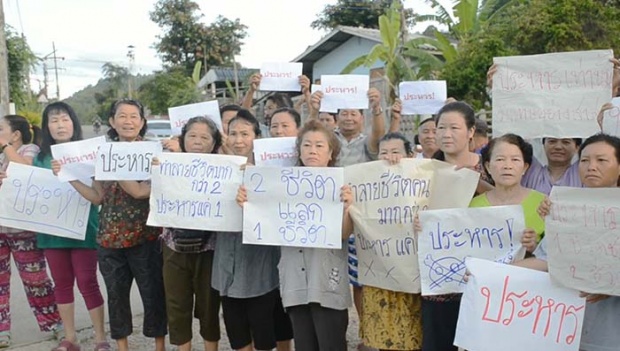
(89, 33)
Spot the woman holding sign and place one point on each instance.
(455, 129)
(246, 276)
(506, 159)
(188, 259)
(599, 167)
(69, 259)
(18, 143)
(391, 319)
(318, 299)
(128, 248)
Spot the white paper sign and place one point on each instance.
(77, 158)
(422, 97)
(450, 236)
(551, 95)
(611, 118)
(315, 88)
(196, 191)
(34, 199)
(510, 308)
(346, 91)
(179, 115)
(276, 152)
(293, 206)
(281, 76)
(583, 239)
(126, 160)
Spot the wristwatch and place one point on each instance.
(376, 113)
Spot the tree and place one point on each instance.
(186, 40)
(397, 58)
(356, 13)
(20, 61)
(170, 88)
(117, 75)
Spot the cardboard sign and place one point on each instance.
(179, 115)
(196, 191)
(293, 206)
(422, 97)
(77, 158)
(510, 308)
(551, 95)
(34, 199)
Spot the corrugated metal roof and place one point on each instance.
(222, 74)
(339, 36)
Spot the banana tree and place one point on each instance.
(392, 53)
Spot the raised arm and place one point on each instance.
(248, 99)
(378, 120)
(396, 116)
(315, 104)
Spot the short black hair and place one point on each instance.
(230, 107)
(112, 133)
(398, 136)
(526, 149)
(215, 133)
(292, 112)
(576, 140)
(610, 140)
(246, 116)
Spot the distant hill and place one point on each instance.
(85, 104)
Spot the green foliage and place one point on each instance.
(186, 40)
(356, 13)
(20, 61)
(395, 56)
(118, 77)
(166, 89)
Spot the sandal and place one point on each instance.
(66, 345)
(5, 339)
(103, 346)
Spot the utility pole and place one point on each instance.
(131, 55)
(56, 70)
(4, 68)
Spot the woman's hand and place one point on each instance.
(305, 84)
(374, 100)
(171, 144)
(346, 196)
(242, 196)
(544, 208)
(601, 114)
(392, 159)
(315, 100)
(528, 240)
(56, 167)
(255, 81)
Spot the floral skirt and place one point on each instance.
(391, 320)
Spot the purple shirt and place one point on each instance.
(538, 178)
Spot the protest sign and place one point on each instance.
(422, 97)
(347, 91)
(583, 239)
(314, 88)
(611, 118)
(196, 191)
(179, 115)
(34, 199)
(275, 152)
(77, 158)
(280, 76)
(386, 200)
(551, 95)
(293, 206)
(449, 236)
(510, 308)
(126, 160)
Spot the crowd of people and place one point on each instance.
(270, 295)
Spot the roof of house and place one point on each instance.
(221, 74)
(339, 36)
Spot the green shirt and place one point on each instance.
(45, 241)
(530, 205)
